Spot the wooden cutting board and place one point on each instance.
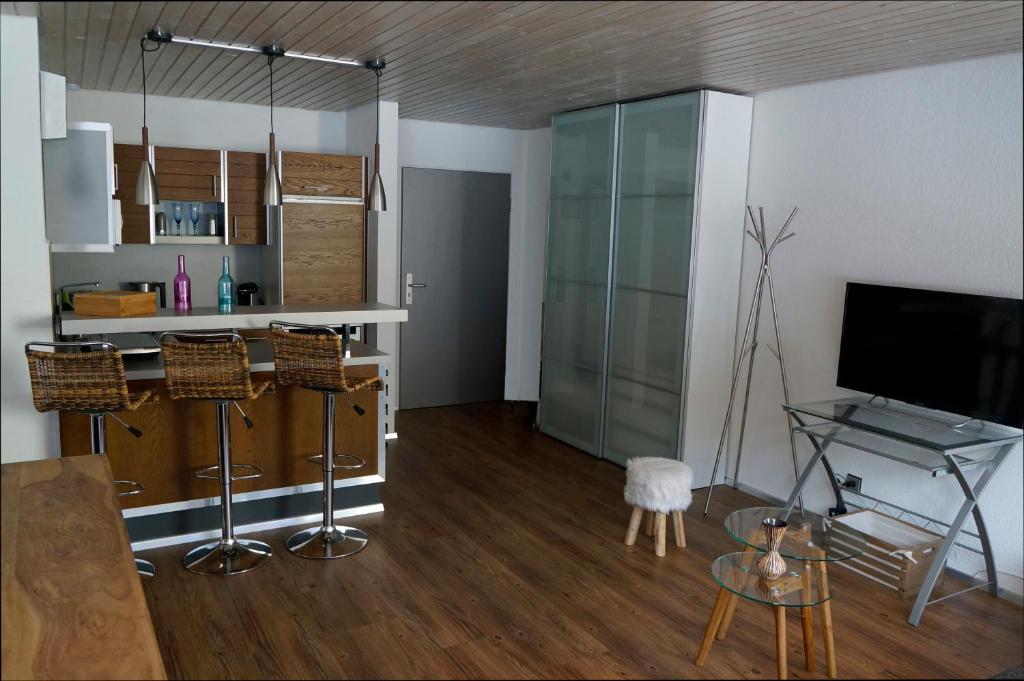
(115, 303)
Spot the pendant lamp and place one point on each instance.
(272, 183)
(376, 199)
(146, 193)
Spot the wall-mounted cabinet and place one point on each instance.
(644, 248)
(189, 174)
(135, 219)
(305, 175)
(79, 189)
(246, 214)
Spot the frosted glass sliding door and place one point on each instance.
(576, 290)
(651, 275)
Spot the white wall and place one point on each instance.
(909, 177)
(200, 123)
(24, 253)
(525, 156)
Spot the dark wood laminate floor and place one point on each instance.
(500, 555)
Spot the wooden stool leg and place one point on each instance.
(780, 639)
(709, 634)
(659, 535)
(649, 528)
(634, 525)
(807, 618)
(677, 525)
(826, 621)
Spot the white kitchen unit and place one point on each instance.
(645, 240)
(78, 186)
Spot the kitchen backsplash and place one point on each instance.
(159, 263)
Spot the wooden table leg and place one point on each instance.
(716, 619)
(634, 525)
(807, 617)
(826, 621)
(730, 609)
(780, 639)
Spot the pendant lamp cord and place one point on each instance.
(270, 63)
(142, 46)
(378, 72)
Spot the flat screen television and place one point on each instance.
(953, 352)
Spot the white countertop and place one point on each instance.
(254, 317)
(261, 358)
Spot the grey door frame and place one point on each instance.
(401, 269)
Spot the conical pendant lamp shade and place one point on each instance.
(146, 192)
(377, 199)
(272, 183)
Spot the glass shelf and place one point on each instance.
(808, 535)
(910, 425)
(888, 447)
(798, 587)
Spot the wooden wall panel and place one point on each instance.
(180, 436)
(323, 251)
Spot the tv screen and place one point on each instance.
(952, 352)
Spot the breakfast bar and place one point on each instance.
(178, 436)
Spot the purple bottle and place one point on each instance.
(182, 287)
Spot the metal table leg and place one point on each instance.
(970, 505)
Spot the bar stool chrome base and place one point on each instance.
(145, 568)
(326, 543)
(227, 557)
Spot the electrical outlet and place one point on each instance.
(852, 483)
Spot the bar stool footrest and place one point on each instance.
(207, 473)
(134, 488)
(360, 462)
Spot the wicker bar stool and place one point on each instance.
(87, 377)
(313, 357)
(215, 367)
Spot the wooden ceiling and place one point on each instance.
(508, 64)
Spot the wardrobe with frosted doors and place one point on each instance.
(645, 237)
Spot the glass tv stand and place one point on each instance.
(917, 438)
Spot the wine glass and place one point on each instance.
(177, 219)
(193, 214)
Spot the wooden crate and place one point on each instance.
(898, 555)
(114, 303)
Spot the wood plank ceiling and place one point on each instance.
(509, 64)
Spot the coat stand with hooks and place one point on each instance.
(749, 348)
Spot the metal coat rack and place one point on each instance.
(749, 348)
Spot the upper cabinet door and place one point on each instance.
(188, 174)
(247, 216)
(78, 177)
(128, 159)
(328, 176)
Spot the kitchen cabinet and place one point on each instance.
(79, 185)
(246, 214)
(322, 252)
(189, 174)
(645, 241)
(135, 223)
(321, 175)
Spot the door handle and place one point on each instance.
(215, 188)
(409, 286)
(234, 227)
(115, 178)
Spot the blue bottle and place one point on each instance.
(226, 288)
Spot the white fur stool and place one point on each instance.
(658, 486)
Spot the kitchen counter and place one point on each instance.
(257, 316)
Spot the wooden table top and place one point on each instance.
(73, 606)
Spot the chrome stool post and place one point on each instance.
(229, 555)
(329, 540)
(215, 367)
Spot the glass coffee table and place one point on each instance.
(807, 547)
